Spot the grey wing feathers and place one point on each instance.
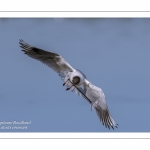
(99, 103)
(105, 117)
(53, 60)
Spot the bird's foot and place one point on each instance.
(65, 82)
(69, 88)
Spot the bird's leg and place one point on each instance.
(69, 88)
(65, 82)
(91, 106)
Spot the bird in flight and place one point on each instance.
(74, 80)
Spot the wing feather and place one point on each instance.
(53, 60)
(97, 98)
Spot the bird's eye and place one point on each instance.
(76, 80)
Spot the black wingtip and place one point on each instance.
(24, 51)
(20, 41)
(21, 45)
(112, 127)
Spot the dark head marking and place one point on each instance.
(76, 80)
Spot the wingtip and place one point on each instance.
(24, 51)
(20, 40)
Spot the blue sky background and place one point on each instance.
(114, 54)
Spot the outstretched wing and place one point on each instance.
(97, 98)
(53, 60)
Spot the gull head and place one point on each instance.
(77, 77)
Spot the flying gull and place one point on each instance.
(74, 80)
